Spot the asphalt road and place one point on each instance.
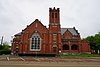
(48, 64)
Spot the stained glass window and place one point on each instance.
(35, 42)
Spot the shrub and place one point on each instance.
(5, 52)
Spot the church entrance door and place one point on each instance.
(55, 49)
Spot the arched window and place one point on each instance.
(35, 42)
(74, 47)
(54, 15)
(65, 47)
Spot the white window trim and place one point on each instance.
(31, 42)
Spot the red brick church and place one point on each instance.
(36, 38)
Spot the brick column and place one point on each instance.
(50, 42)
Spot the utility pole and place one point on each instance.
(2, 41)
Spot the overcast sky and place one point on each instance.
(15, 15)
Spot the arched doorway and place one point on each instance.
(55, 49)
(65, 47)
(74, 47)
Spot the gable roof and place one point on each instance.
(36, 21)
(18, 34)
(72, 30)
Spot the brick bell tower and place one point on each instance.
(54, 30)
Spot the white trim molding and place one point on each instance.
(35, 42)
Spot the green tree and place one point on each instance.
(94, 42)
(97, 40)
(5, 46)
(0, 47)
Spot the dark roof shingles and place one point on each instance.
(72, 30)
